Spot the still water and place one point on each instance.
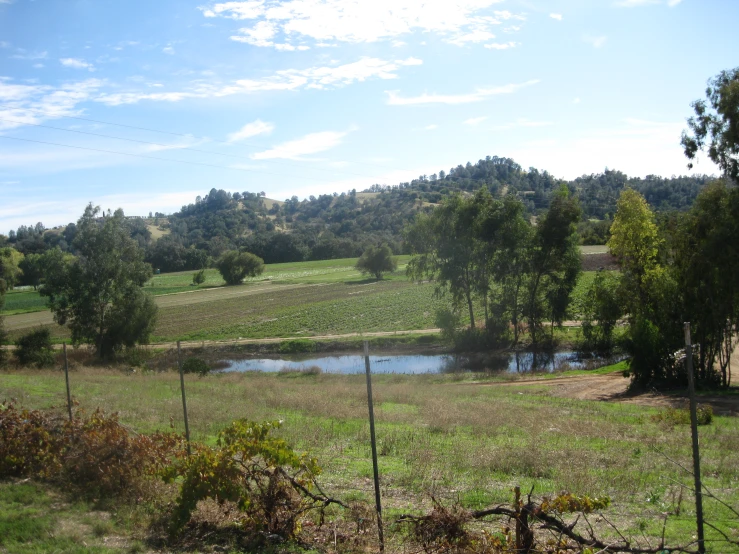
(520, 362)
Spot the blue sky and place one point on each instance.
(301, 97)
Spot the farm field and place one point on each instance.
(442, 435)
(288, 300)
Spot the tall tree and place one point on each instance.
(10, 270)
(99, 294)
(715, 126)
(707, 265)
(448, 250)
(554, 263)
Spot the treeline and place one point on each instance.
(344, 225)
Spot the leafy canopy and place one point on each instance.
(377, 260)
(715, 127)
(99, 294)
(234, 266)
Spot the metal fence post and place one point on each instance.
(184, 399)
(378, 505)
(694, 435)
(66, 378)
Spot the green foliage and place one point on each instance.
(34, 349)
(716, 127)
(10, 271)
(195, 365)
(377, 260)
(198, 278)
(3, 332)
(706, 265)
(234, 266)
(99, 295)
(674, 416)
(568, 503)
(297, 346)
(266, 479)
(602, 310)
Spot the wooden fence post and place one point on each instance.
(378, 505)
(66, 378)
(184, 399)
(694, 435)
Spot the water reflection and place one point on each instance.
(514, 362)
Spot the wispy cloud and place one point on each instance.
(257, 127)
(168, 50)
(557, 16)
(22, 54)
(478, 95)
(522, 122)
(37, 103)
(309, 144)
(475, 120)
(284, 80)
(76, 63)
(296, 24)
(431, 127)
(638, 3)
(501, 45)
(594, 41)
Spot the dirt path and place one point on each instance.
(613, 387)
(35, 319)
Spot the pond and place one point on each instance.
(515, 362)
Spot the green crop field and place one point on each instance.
(294, 300)
(23, 301)
(440, 435)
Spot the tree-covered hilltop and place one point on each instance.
(345, 225)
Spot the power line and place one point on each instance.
(169, 146)
(148, 157)
(177, 134)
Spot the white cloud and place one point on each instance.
(168, 50)
(576, 100)
(23, 54)
(38, 103)
(76, 63)
(595, 41)
(522, 122)
(557, 16)
(287, 79)
(69, 210)
(453, 99)
(257, 127)
(636, 147)
(4, 44)
(431, 127)
(475, 120)
(638, 3)
(398, 43)
(292, 22)
(309, 144)
(501, 46)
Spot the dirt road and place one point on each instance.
(613, 387)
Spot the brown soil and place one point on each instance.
(613, 387)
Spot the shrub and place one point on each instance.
(297, 346)
(198, 278)
(376, 261)
(93, 454)
(234, 266)
(35, 348)
(195, 365)
(673, 416)
(270, 483)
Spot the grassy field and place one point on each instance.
(440, 435)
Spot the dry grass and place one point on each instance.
(456, 441)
